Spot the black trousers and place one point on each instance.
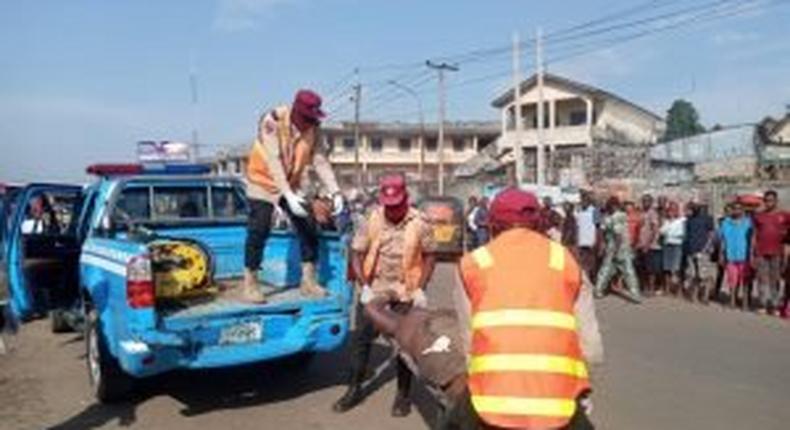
(259, 225)
(362, 343)
(461, 415)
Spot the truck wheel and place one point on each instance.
(108, 381)
(58, 321)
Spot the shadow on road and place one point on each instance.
(204, 391)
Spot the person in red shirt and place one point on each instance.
(770, 227)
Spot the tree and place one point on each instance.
(682, 120)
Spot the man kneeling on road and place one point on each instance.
(278, 161)
(392, 254)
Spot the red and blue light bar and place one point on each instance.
(133, 169)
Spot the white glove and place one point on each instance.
(587, 405)
(367, 295)
(338, 204)
(419, 299)
(296, 203)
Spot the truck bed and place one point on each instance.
(227, 301)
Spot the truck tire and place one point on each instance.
(58, 321)
(108, 381)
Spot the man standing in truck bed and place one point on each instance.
(278, 162)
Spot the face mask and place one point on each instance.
(396, 214)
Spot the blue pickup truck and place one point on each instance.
(137, 324)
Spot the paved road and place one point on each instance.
(669, 366)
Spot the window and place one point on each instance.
(172, 203)
(431, 144)
(180, 202)
(376, 144)
(133, 204)
(404, 145)
(459, 145)
(578, 117)
(348, 144)
(227, 202)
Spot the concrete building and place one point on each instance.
(589, 133)
(385, 147)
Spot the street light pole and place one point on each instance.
(441, 68)
(421, 139)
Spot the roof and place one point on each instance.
(507, 97)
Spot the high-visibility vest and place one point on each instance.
(295, 156)
(411, 272)
(526, 367)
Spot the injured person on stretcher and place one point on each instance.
(432, 343)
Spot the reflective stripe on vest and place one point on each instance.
(528, 363)
(524, 406)
(524, 317)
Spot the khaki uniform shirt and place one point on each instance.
(388, 274)
(270, 140)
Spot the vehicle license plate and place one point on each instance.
(241, 333)
(443, 233)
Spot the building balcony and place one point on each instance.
(402, 158)
(557, 136)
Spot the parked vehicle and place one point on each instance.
(40, 250)
(447, 219)
(161, 256)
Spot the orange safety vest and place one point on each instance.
(412, 252)
(526, 366)
(295, 156)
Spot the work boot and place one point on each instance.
(309, 286)
(401, 407)
(250, 290)
(352, 397)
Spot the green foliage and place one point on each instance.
(682, 121)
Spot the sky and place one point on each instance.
(82, 81)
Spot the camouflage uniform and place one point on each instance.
(617, 259)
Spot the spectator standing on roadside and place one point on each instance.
(471, 238)
(587, 234)
(569, 227)
(770, 229)
(672, 231)
(648, 246)
(481, 222)
(698, 244)
(735, 235)
(634, 222)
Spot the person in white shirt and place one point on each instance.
(587, 234)
(673, 232)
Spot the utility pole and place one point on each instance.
(517, 145)
(193, 89)
(441, 68)
(541, 149)
(421, 138)
(357, 100)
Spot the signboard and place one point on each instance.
(165, 151)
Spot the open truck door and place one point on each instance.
(41, 249)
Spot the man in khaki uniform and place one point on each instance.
(393, 256)
(286, 146)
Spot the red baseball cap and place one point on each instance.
(392, 190)
(308, 104)
(514, 206)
